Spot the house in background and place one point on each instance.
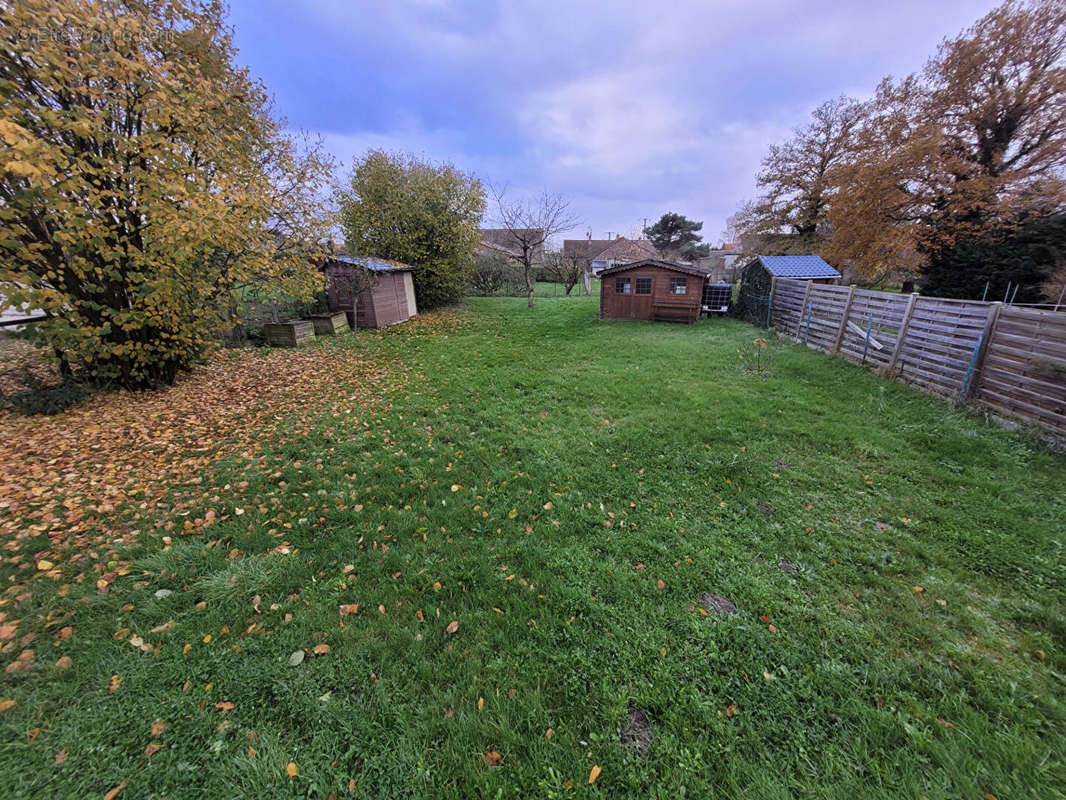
(722, 262)
(652, 289)
(504, 242)
(373, 292)
(601, 254)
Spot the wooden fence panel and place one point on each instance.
(788, 303)
(941, 340)
(823, 316)
(1008, 359)
(1024, 371)
(883, 313)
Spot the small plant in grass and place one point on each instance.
(756, 357)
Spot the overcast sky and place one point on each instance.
(631, 109)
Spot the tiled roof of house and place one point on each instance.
(609, 249)
(502, 240)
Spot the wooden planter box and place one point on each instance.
(289, 334)
(330, 324)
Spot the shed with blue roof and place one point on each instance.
(373, 292)
(757, 280)
(801, 268)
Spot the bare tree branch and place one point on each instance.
(530, 224)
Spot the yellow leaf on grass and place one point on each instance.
(158, 727)
(480, 703)
(595, 773)
(549, 733)
(6, 703)
(493, 759)
(114, 792)
(43, 564)
(292, 770)
(64, 663)
(152, 749)
(349, 608)
(320, 649)
(512, 513)
(456, 487)
(224, 705)
(453, 626)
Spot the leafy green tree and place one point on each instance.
(1025, 258)
(426, 215)
(677, 235)
(143, 180)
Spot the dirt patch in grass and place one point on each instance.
(721, 606)
(636, 734)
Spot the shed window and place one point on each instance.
(678, 285)
(623, 286)
(643, 285)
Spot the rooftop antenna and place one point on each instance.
(983, 296)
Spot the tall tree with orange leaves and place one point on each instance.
(963, 151)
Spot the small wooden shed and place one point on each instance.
(652, 289)
(373, 292)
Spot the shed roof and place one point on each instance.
(372, 264)
(798, 267)
(687, 269)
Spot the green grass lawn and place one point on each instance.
(566, 490)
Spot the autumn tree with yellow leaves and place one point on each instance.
(144, 180)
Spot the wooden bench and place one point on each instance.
(676, 311)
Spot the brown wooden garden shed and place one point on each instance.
(652, 289)
(373, 292)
